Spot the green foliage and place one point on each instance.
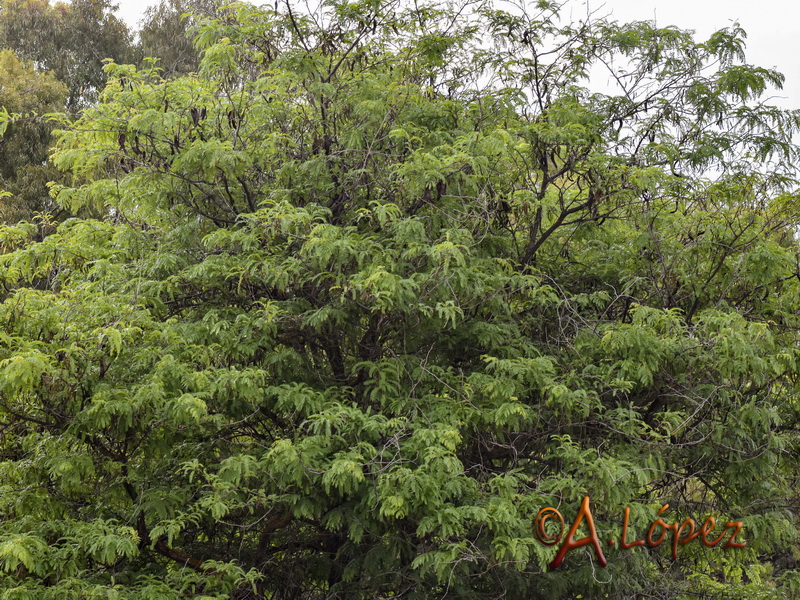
(24, 167)
(164, 34)
(70, 39)
(378, 284)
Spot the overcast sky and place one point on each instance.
(773, 26)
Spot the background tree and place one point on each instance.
(66, 45)
(378, 285)
(164, 34)
(71, 40)
(24, 165)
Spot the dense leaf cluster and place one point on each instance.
(377, 285)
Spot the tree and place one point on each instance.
(71, 40)
(379, 284)
(164, 34)
(24, 166)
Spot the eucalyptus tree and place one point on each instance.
(69, 39)
(165, 34)
(24, 167)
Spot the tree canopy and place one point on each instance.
(165, 34)
(381, 282)
(71, 40)
(24, 147)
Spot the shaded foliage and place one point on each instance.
(71, 40)
(164, 33)
(24, 167)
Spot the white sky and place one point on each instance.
(132, 10)
(773, 26)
